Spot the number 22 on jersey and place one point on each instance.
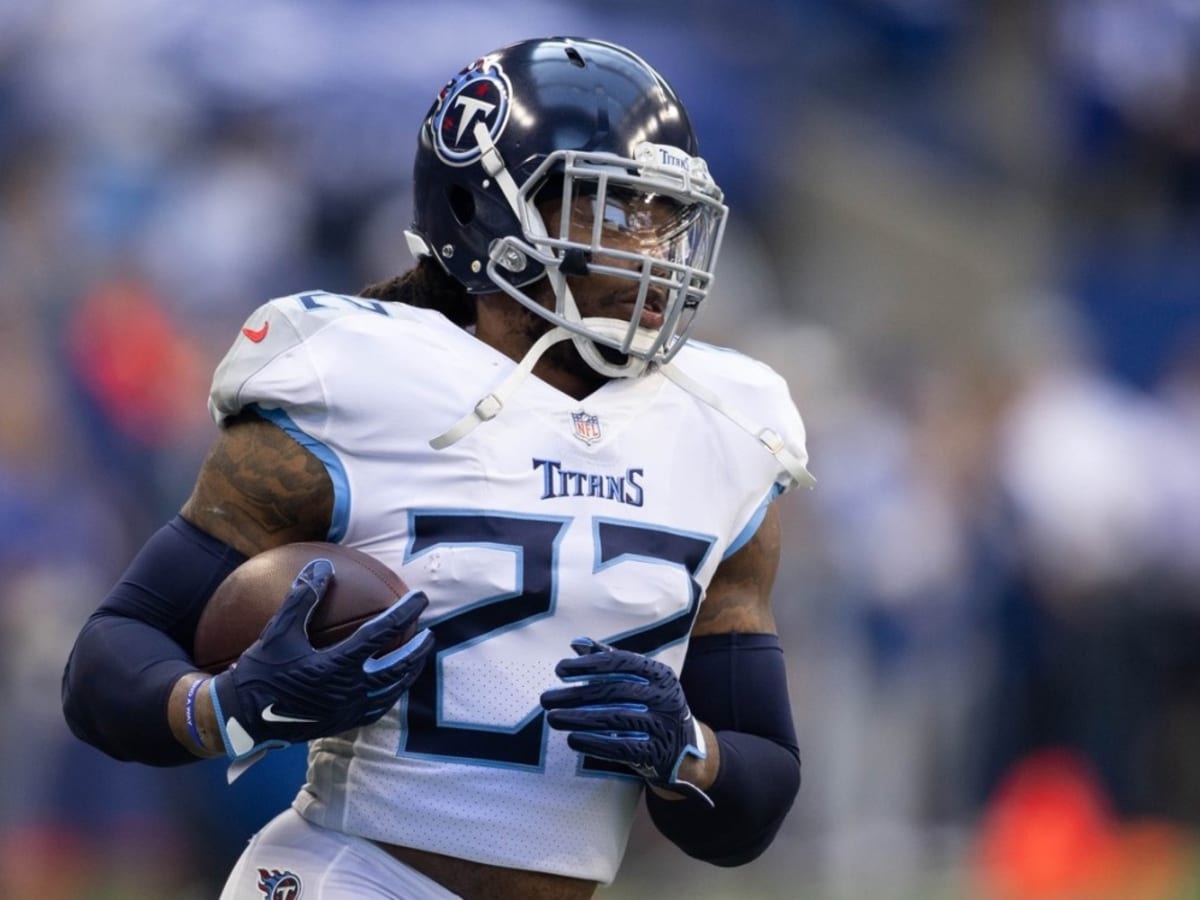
(534, 542)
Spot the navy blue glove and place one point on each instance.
(283, 691)
(626, 708)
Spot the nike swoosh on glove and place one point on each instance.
(284, 691)
(626, 708)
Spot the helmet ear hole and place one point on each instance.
(462, 204)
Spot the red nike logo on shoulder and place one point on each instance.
(257, 335)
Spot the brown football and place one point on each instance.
(244, 602)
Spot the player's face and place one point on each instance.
(628, 222)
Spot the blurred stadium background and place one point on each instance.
(967, 231)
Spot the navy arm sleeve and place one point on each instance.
(137, 645)
(737, 685)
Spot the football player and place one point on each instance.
(579, 496)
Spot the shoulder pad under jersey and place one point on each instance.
(272, 337)
(754, 396)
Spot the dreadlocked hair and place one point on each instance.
(428, 286)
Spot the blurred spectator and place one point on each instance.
(141, 384)
(1052, 834)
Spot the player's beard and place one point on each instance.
(564, 355)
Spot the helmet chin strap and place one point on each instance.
(613, 328)
(494, 165)
(632, 367)
(489, 407)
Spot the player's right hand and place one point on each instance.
(283, 691)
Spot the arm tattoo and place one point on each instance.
(258, 489)
(739, 597)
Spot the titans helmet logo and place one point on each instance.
(478, 95)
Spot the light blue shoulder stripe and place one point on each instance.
(756, 520)
(333, 465)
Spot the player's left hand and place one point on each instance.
(626, 708)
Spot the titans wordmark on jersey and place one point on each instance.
(557, 519)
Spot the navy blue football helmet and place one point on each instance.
(591, 124)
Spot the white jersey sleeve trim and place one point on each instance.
(751, 527)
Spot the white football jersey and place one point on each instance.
(559, 518)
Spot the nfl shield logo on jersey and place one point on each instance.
(586, 426)
(277, 885)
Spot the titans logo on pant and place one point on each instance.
(277, 885)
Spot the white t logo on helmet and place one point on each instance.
(478, 94)
(470, 109)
